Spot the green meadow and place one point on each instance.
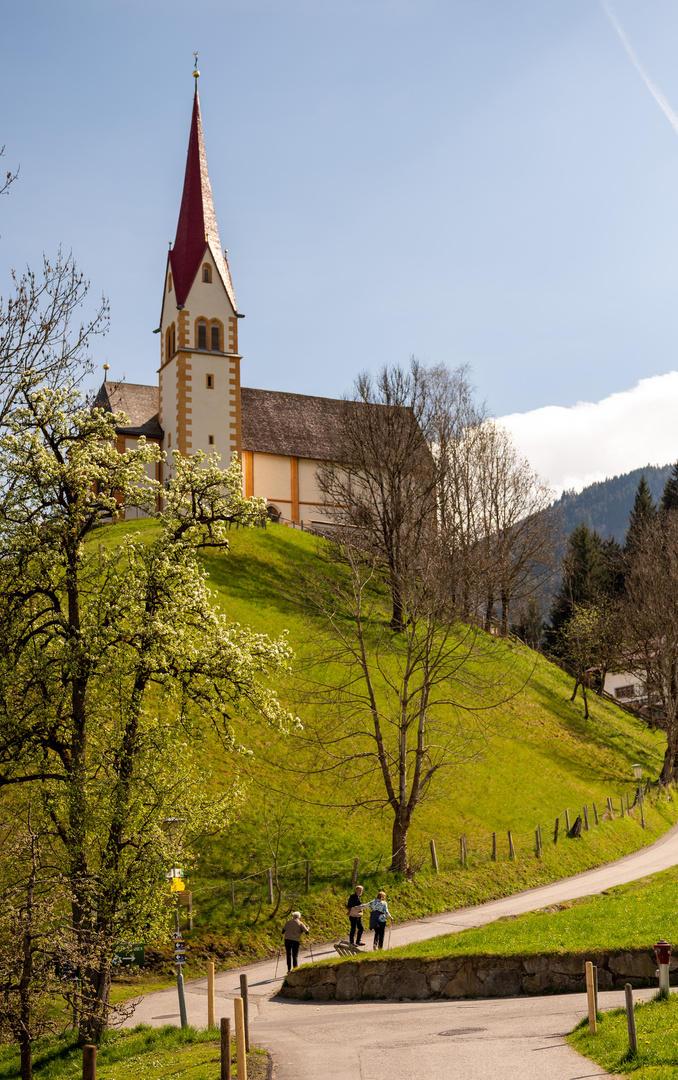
(534, 758)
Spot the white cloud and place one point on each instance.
(576, 446)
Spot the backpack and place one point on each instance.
(376, 919)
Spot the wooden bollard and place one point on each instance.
(240, 1052)
(567, 821)
(210, 994)
(434, 857)
(631, 1020)
(590, 997)
(595, 987)
(586, 818)
(595, 813)
(555, 831)
(512, 850)
(354, 878)
(246, 1010)
(308, 874)
(269, 876)
(89, 1062)
(494, 847)
(225, 1048)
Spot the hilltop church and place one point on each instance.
(199, 403)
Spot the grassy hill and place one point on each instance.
(606, 505)
(539, 758)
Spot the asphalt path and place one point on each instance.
(512, 1037)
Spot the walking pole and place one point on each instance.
(277, 961)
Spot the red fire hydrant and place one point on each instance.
(663, 951)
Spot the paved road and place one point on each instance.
(360, 1035)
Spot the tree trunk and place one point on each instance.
(26, 1056)
(489, 613)
(504, 614)
(399, 844)
(397, 623)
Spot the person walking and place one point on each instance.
(355, 910)
(379, 914)
(291, 932)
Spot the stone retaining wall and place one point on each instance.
(468, 976)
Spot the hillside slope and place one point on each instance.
(540, 758)
(606, 506)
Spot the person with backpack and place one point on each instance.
(354, 909)
(379, 913)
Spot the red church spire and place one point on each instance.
(197, 226)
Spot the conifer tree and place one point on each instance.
(582, 583)
(669, 500)
(643, 512)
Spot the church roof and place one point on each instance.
(138, 402)
(295, 425)
(197, 226)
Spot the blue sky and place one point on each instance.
(469, 181)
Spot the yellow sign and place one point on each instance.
(177, 885)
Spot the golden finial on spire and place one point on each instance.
(106, 369)
(196, 73)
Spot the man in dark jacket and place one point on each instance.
(354, 911)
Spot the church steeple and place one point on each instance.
(197, 226)
(199, 358)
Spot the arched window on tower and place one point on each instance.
(215, 342)
(207, 273)
(202, 335)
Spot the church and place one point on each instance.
(199, 403)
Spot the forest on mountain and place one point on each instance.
(605, 506)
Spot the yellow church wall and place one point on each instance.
(271, 479)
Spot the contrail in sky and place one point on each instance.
(654, 90)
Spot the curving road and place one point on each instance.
(517, 1038)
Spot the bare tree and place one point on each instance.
(397, 710)
(384, 487)
(651, 616)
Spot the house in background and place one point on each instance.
(199, 403)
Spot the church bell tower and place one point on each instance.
(199, 360)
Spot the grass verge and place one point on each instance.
(141, 1053)
(656, 1027)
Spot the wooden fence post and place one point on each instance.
(494, 847)
(567, 821)
(240, 1055)
(308, 874)
(555, 831)
(354, 879)
(631, 1020)
(537, 844)
(609, 806)
(210, 994)
(269, 876)
(434, 857)
(622, 806)
(593, 1023)
(463, 836)
(512, 850)
(595, 813)
(225, 1048)
(246, 1010)
(89, 1062)
(595, 987)
(586, 818)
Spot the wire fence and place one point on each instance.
(289, 880)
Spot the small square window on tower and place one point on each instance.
(210, 439)
(210, 382)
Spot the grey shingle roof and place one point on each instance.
(139, 403)
(297, 425)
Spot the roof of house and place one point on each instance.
(197, 226)
(273, 422)
(139, 404)
(295, 425)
